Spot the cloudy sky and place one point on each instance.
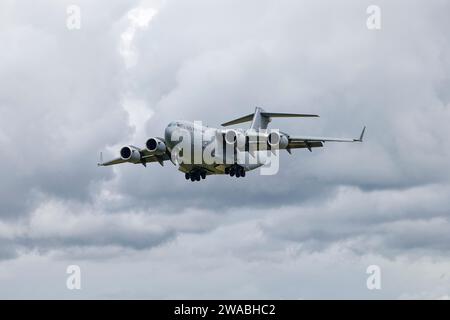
(310, 231)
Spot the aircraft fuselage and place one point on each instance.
(206, 140)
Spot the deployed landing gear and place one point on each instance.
(235, 170)
(195, 175)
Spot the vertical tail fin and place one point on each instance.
(259, 121)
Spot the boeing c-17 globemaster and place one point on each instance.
(231, 151)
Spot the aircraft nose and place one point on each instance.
(168, 134)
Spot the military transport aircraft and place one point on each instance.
(199, 151)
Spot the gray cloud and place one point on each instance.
(60, 99)
(65, 95)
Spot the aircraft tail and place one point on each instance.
(260, 119)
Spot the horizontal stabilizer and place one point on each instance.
(287, 115)
(260, 118)
(246, 118)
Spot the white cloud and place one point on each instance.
(138, 18)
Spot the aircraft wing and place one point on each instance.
(315, 142)
(294, 144)
(146, 158)
(111, 162)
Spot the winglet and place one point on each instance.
(361, 136)
(100, 163)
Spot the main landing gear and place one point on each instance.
(235, 170)
(195, 175)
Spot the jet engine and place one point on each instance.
(233, 137)
(277, 140)
(130, 154)
(156, 146)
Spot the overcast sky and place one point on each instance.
(310, 231)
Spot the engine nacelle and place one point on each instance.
(277, 140)
(233, 137)
(156, 146)
(130, 154)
